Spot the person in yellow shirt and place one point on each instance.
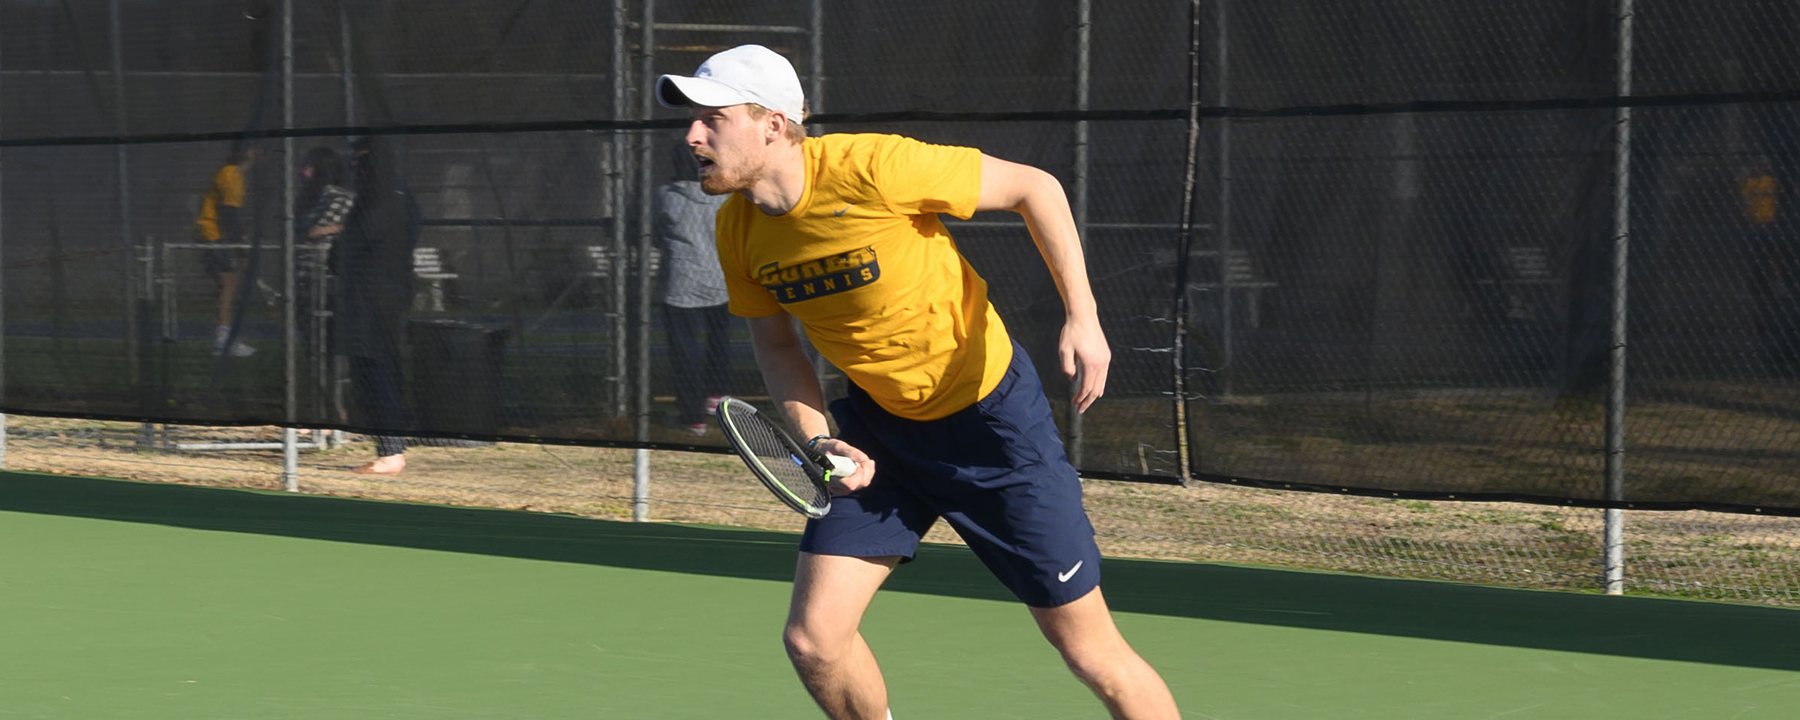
(1775, 258)
(222, 220)
(1758, 190)
(945, 415)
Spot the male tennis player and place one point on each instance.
(842, 232)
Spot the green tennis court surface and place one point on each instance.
(129, 600)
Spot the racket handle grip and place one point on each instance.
(841, 467)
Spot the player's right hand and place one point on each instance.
(1085, 358)
(865, 466)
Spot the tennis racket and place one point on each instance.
(795, 473)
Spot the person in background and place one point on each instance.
(372, 259)
(222, 220)
(323, 202)
(320, 208)
(1775, 272)
(693, 297)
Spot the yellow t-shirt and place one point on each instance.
(1759, 199)
(228, 190)
(871, 273)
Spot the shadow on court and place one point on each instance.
(1702, 632)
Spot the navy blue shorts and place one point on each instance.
(996, 471)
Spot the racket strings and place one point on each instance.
(764, 441)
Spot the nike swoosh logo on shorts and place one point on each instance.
(846, 209)
(1064, 576)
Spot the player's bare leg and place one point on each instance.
(1083, 631)
(228, 287)
(830, 594)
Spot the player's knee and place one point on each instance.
(804, 648)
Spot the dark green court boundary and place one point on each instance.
(1655, 628)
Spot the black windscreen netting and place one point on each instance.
(1397, 271)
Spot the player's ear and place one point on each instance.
(774, 126)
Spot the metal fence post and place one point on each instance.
(290, 451)
(1615, 396)
(640, 464)
(1084, 43)
(640, 485)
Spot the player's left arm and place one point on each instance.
(1037, 197)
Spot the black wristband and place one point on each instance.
(813, 444)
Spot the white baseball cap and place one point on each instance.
(743, 74)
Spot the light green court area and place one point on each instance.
(162, 602)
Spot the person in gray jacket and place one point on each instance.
(692, 293)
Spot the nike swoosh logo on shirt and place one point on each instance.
(846, 209)
(1064, 576)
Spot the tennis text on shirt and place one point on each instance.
(876, 281)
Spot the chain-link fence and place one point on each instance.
(1428, 252)
(1723, 556)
